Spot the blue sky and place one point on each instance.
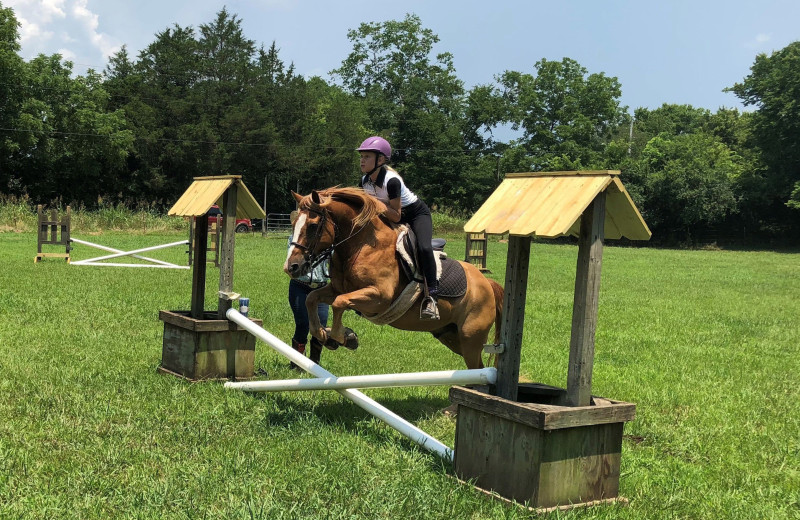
(674, 51)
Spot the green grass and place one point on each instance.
(704, 342)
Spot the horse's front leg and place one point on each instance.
(361, 299)
(314, 298)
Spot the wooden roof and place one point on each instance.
(204, 192)
(550, 204)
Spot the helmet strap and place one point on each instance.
(377, 166)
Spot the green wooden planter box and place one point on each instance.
(208, 348)
(537, 452)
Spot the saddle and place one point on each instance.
(450, 273)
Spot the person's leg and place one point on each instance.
(297, 302)
(423, 229)
(422, 226)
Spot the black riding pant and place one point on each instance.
(418, 217)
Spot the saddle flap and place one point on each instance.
(407, 252)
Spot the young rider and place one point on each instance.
(402, 206)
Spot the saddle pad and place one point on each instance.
(453, 282)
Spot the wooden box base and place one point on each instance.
(209, 348)
(536, 451)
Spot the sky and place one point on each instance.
(670, 51)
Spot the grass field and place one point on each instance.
(704, 342)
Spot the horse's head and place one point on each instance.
(312, 235)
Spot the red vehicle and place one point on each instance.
(242, 224)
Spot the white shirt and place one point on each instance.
(380, 188)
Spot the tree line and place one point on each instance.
(210, 101)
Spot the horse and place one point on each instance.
(346, 225)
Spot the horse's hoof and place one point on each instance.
(350, 338)
(329, 342)
(322, 335)
(450, 411)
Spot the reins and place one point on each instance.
(318, 258)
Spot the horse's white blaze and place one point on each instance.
(298, 226)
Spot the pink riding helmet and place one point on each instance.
(376, 144)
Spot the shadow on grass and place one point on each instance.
(348, 415)
(345, 416)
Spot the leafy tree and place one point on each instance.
(11, 97)
(669, 119)
(567, 116)
(413, 98)
(72, 146)
(689, 182)
(773, 87)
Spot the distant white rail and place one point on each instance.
(117, 253)
(379, 411)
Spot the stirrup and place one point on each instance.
(429, 309)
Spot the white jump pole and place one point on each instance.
(379, 411)
(129, 253)
(112, 250)
(446, 377)
(112, 264)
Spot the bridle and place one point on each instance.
(308, 251)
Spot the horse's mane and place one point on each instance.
(368, 206)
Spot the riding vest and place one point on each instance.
(384, 187)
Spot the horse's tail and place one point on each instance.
(498, 303)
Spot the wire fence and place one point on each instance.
(276, 223)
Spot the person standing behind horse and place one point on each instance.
(298, 291)
(402, 206)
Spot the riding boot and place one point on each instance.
(299, 347)
(316, 350)
(430, 309)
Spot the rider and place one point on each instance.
(402, 206)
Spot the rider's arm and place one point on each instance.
(393, 187)
(392, 211)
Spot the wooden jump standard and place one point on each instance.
(54, 226)
(199, 344)
(533, 443)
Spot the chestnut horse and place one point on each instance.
(345, 225)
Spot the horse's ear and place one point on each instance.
(297, 197)
(315, 197)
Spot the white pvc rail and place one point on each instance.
(118, 253)
(446, 377)
(379, 411)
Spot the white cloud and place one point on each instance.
(82, 13)
(43, 11)
(91, 22)
(758, 41)
(32, 32)
(70, 24)
(67, 54)
(50, 9)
